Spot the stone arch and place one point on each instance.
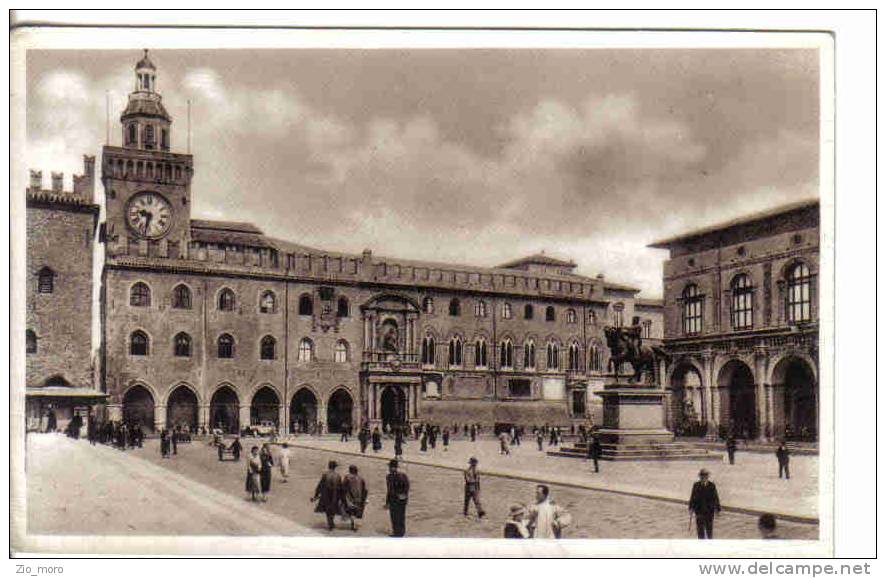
(139, 404)
(393, 297)
(264, 405)
(340, 410)
(182, 406)
(795, 397)
(738, 398)
(776, 373)
(224, 409)
(686, 399)
(303, 410)
(788, 265)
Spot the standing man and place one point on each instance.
(730, 449)
(398, 443)
(363, 437)
(445, 435)
(396, 499)
(353, 496)
(705, 504)
(376, 440)
(175, 441)
(540, 439)
(472, 488)
(503, 444)
(546, 519)
(784, 459)
(595, 450)
(473, 433)
(328, 494)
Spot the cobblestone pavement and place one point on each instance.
(436, 499)
(75, 489)
(752, 483)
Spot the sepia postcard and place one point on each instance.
(462, 293)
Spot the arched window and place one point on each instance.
(138, 343)
(692, 303)
(181, 297)
(550, 313)
(480, 309)
(182, 345)
(149, 135)
(131, 139)
(226, 300)
(344, 308)
(481, 358)
(268, 302)
(225, 346)
(529, 354)
(570, 316)
(341, 351)
(506, 312)
(427, 305)
(306, 350)
(528, 311)
(30, 341)
(428, 353)
(454, 308)
(506, 354)
(574, 357)
(799, 296)
(553, 355)
(140, 295)
(455, 352)
(268, 347)
(305, 305)
(595, 358)
(45, 280)
(618, 314)
(742, 302)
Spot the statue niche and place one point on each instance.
(389, 336)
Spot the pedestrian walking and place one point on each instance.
(283, 460)
(363, 438)
(376, 440)
(784, 460)
(540, 439)
(398, 443)
(424, 442)
(515, 526)
(473, 433)
(236, 448)
(327, 495)
(595, 450)
(253, 474)
(472, 488)
(704, 502)
(546, 519)
(174, 438)
(445, 436)
(432, 437)
(164, 443)
(730, 449)
(503, 444)
(353, 496)
(267, 466)
(396, 499)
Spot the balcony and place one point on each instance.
(390, 361)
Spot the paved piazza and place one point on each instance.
(136, 492)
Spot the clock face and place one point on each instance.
(149, 215)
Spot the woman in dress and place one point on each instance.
(253, 474)
(267, 466)
(376, 440)
(284, 462)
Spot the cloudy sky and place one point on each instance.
(465, 156)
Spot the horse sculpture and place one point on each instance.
(626, 345)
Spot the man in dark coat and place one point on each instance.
(595, 450)
(236, 448)
(353, 496)
(363, 436)
(784, 458)
(267, 467)
(398, 443)
(327, 495)
(472, 488)
(376, 440)
(396, 499)
(705, 504)
(730, 449)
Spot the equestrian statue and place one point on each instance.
(626, 345)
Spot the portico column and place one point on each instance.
(159, 417)
(367, 333)
(203, 415)
(761, 359)
(282, 426)
(321, 415)
(711, 405)
(245, 418)
(408, 391)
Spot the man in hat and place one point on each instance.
(595, 450)
(328, 494)
(396, 499)
(515, 526)
(784, 459)
(472, 488)
(705, 504)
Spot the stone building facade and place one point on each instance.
(60, 227)
(741, 325)
(215, 323)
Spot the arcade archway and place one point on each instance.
(339, 411)
(138, 408)
(224, 410)
(303, 411)
(393, 407)
(686, 401)
(181, 408)
(739, 399)
(799, 415)
(265, 407)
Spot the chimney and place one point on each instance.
(58, 182)
(36, 181)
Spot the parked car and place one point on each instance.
(264, 428)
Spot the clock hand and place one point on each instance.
(148, 217)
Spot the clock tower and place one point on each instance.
(147, 187)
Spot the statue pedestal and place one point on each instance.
(633, 414)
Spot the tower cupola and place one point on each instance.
(146, 124)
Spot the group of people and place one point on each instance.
(259, 469)
(119, 434)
